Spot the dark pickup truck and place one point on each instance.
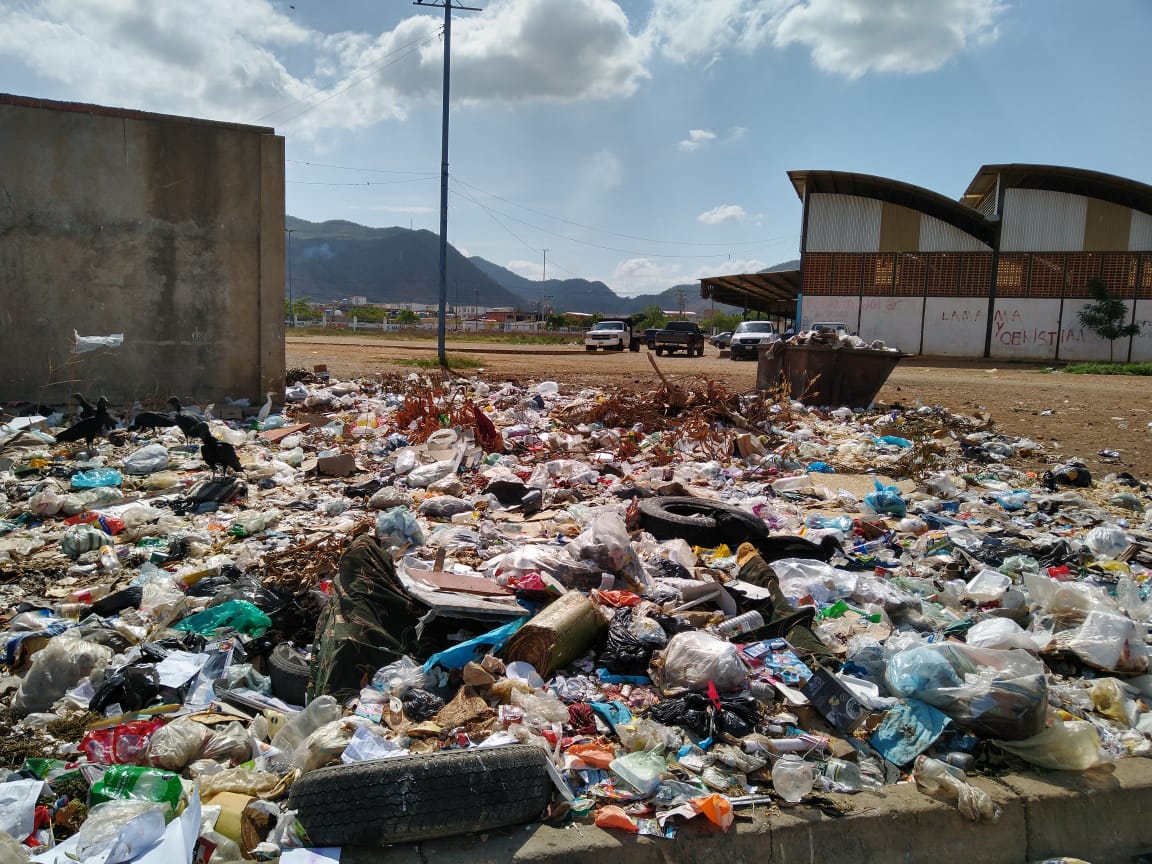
(680, 336)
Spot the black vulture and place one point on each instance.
(150, 420)
(90, 427)
(191, 425)
(86, 408)
(219, 454)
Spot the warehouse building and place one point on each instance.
(1002, 272)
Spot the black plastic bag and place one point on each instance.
(131, 687)
(737, 716)
(624, 653)
(420, 704)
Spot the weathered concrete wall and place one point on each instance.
(166, 229)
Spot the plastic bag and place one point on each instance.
(147, 460)
(230, 742)
(947, 784)
(122, 744)
(641, 770)
(117, 831)
(545, 560)
(804, 577)
(694, 659)
(143, 784)
(96, 478)
(426, 475)
(57, 668)
(793, 778)
(177, 744)
(398, 678)
(241, 676)
(398, 527)
(1073, 745)
(78, 539)
(1000, 633)
(131, 687)
(886, 501)
(1106, 541)
(238, 615)
(328, 742)
(321, 710)
(644, 734)
(1110, 641)
(605, 543)
(625, 653)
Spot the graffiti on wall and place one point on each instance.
(1013, 327)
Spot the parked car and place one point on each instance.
(722, 340)
(683, 336)
(749, 336)
(838, 327)
(612, 335)
(650, 337)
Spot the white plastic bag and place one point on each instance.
(1000, 633)
(693, 659)
(57, 668)
(174, 746)
(949, 785)
(147, 460)
(605, 543)
(1110, 641)
(1064, 746)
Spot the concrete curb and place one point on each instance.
(1103, 816)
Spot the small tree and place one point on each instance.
(1105, 316)
(407, 318)
(651, 316)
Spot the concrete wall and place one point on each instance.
(168, 230)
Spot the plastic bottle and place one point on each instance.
(847, 775)
(109, 562)
(745, 623)
(92, 593)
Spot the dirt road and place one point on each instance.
(1071, 415)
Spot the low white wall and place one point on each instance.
(1142, 344)
(955, 326)
(896, 320)
(1025, 329)
(838, 308)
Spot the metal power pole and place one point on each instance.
(448, 6)
(291, 299)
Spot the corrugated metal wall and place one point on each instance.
(1036, 220)
(1140, 234)
(939, 236)
(843, 223)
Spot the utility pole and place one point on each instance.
(448, 6)
(543, 282)
(291, 299)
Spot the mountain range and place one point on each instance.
(336, 259)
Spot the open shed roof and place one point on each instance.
(1056, 178)
(896, 192)
(774, 293)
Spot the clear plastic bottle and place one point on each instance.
(745, 623)
(109, 562)
(793, 778)
(92, 593)
(847, 775)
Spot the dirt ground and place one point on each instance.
(1073, 416)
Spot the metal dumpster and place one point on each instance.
(826, 374)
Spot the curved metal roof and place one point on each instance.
(1057, 178)
(774, 292)
(905, 194)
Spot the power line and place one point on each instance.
(363, 170)
(572, 239)
(362, 182)
(603, 230)
(336, 93)
(345, 78)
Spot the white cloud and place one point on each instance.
(723, 213)
(226, 59)
(528, 269)
(604, 170)
(737, 133)
(853, 37)
(645, 276)
(845, 37)
(696, 139)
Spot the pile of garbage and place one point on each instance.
(431, 607)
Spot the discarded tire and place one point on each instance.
(422, 797)
(289, 673)
(700, 522)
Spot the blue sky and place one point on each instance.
(641, 142)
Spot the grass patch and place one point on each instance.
(1109, 368)
(434, 362)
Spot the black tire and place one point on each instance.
(659, 351)
(289, 673)
(634, 347)
(422, 797)
(589, 347)
(700, 522)
(700, 350)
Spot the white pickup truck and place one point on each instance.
(612, 335)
